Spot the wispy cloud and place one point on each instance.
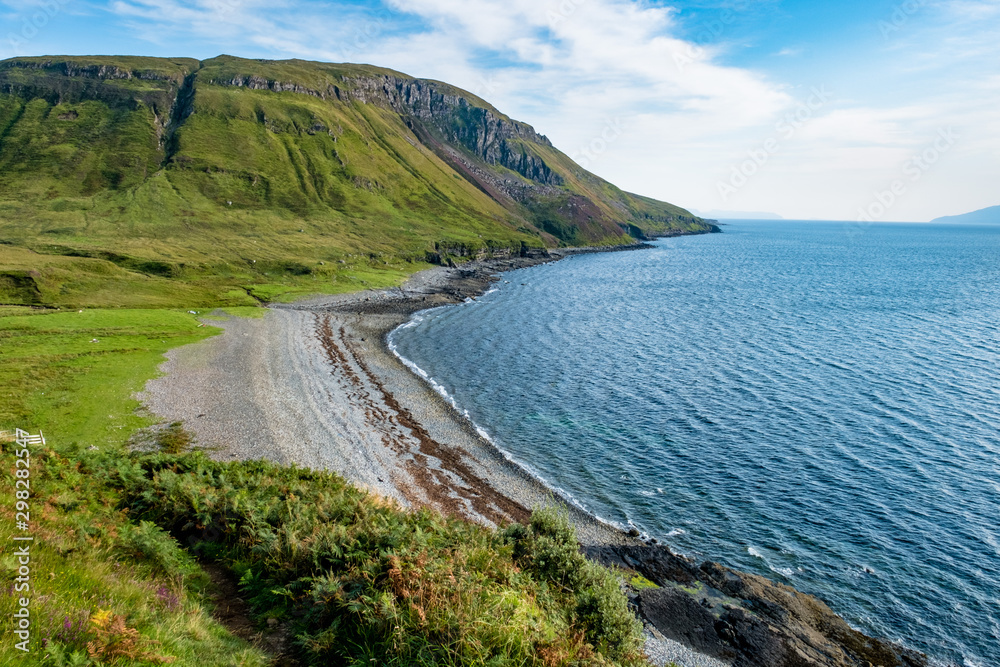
(789, 52)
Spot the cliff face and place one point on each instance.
(480, 130)
(64, 81)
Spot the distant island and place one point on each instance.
(983, 216)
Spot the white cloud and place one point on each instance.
(973, 10)
(789, 52)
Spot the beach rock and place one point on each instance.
(745, 619)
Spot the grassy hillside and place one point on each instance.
(229, 180)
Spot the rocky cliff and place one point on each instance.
(507, 159)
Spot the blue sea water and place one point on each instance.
(815, 402)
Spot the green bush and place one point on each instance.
(57, 655)
(547, 547)
(174, 439)
(359, 579)
(603, 610)
(148, 544)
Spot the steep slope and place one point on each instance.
(229, 173)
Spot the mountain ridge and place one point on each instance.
(182, 165)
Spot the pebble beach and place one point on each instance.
(315, 384)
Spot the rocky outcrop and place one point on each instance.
(69, 68)
(483, 131)
(261, 83)
(446, 253)
(712, 229)
(69, 82)
(745, 619)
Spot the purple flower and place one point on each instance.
(167, 598)
(68, 624)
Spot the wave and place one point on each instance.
(852, 434)
(787, 572)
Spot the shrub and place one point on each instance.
(357, 579)
(604, 613)
(115, 641)
(57, 655)
(547, 547)
(148, 544)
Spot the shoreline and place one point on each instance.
(493, 487)
(316, 383)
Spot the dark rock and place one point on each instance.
(680, 617)
(744, 618)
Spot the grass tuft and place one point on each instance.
(174, 439)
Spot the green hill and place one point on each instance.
(149, 181)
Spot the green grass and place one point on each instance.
(250, 312)
(79, 392)
(81, 565)
(73, 374)
(640, 582)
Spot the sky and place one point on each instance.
(866, 110)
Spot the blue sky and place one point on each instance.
(880, 110)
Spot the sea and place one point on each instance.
(816, 402)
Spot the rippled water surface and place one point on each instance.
(815, 402)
